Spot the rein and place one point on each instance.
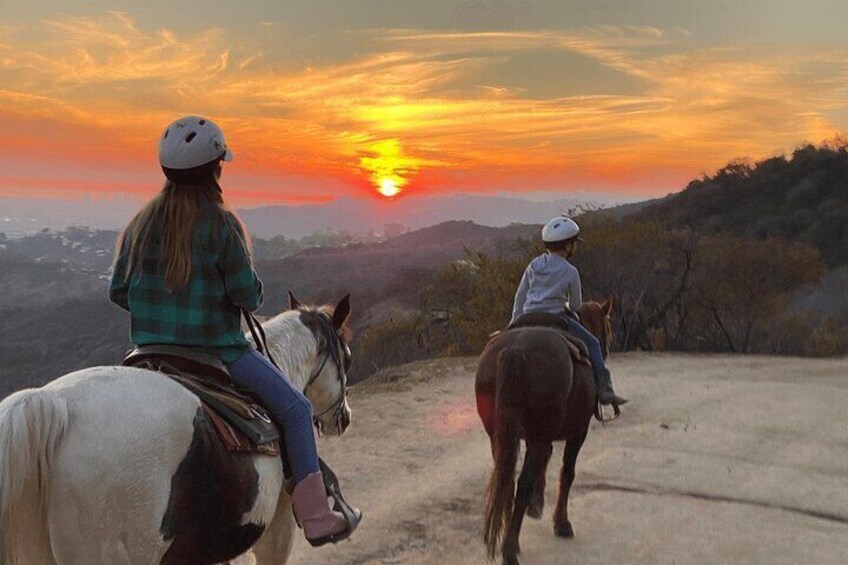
(334, 344)
(258, 333)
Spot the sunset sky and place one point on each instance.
(327, 98)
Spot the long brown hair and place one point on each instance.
(173, 213)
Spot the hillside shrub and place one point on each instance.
(673, 290)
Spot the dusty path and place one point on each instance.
(716, 460)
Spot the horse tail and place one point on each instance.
(32, 422)
(500, 493)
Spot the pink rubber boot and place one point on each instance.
(320, 524)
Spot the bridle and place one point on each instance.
(339, 351)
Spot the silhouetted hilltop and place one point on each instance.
(802, 198)
(459, 234)
(381, 276)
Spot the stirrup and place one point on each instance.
(599, 412)
(340, 505)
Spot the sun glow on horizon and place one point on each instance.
(389, 188)
(404, 109)
(390, 169)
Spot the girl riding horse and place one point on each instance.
(184, 272)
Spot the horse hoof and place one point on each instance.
(512, 560)
(564, 530)
(536, 509)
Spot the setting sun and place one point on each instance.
(390, 169)
(389, 188)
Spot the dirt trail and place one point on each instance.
(717, 459)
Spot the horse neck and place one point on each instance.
(588, 321)
(293, 347)
(597, 327)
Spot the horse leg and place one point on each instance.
(533, 460)
(537, 503)
(275, 545)
(562, 527)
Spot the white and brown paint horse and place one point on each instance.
(115, 465)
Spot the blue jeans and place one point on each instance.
(288, 406)
(595, 353)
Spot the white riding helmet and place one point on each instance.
(560, 229)
(190, 142)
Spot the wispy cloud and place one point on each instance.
(418, 91)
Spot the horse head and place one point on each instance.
(597, 318)
(326, 384)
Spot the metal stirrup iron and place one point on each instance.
(331, 485)
(599, 413)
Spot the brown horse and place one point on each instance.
(528, 387)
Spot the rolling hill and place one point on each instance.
(55, 317)
(800, 198)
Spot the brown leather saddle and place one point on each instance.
(579, 351)
(241, 423)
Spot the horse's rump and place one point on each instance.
(545, 371)
(553, 388)
(160, 459)
(579, 349)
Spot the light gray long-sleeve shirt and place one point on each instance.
(550, 283)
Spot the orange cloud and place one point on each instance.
(99, 90)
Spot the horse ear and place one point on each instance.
(294, 303)
(341, 312)
(607, 305)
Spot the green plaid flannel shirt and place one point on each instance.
(206, 313)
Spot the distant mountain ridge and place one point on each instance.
(20, 216)
(359, 215)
